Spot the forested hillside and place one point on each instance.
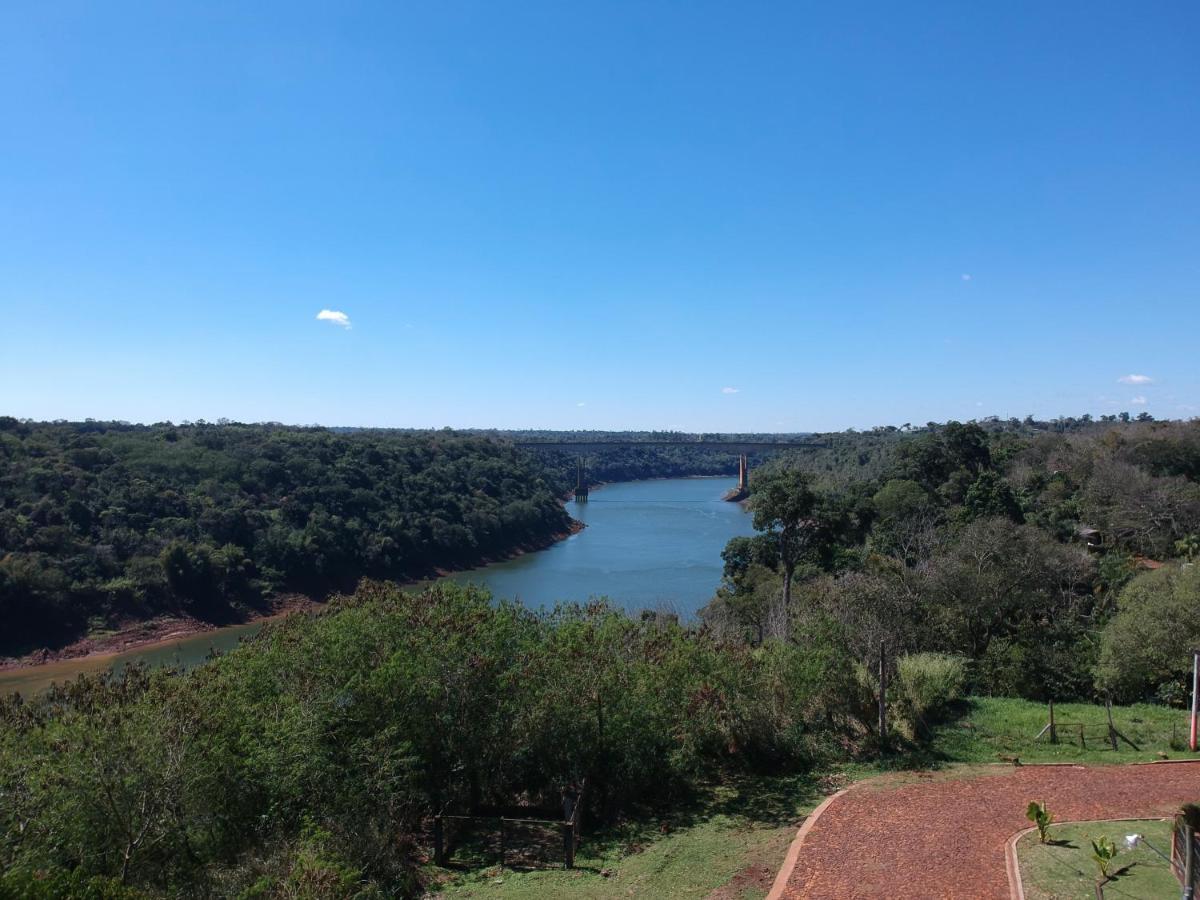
(105, 522)
(1013, 546)
(310, 760)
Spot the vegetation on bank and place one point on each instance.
(1054, 565)
(102, 523)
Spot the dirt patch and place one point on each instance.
(757, 877)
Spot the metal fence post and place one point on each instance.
(1195, 697)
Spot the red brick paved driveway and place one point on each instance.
(945, 836)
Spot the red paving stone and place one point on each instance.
(944, 837)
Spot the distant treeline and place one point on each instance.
(105, 522)
(836, 459)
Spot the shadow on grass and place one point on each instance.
(745, 801)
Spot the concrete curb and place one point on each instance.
(1016, 890)
(789, 861)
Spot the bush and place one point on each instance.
(1145, 650)
(926, 683)
(28, 884)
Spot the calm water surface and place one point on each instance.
(647, 545)
(183, 653)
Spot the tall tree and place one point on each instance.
(785, 505)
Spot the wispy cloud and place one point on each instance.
(729, 390)
(1136, 379)
(581, 403)
(966, 276)
(336, 316)
(1139, 400)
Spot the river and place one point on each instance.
(647, 545)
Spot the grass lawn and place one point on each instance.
(734, 836)
(991, 727)
(1064, 869)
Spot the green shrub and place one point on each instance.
(1146, 648)
(1103, 852)
(1039, 816)
(29, 884)
(926, 683)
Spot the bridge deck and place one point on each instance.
(723, 446)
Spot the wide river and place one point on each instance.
(647, 545)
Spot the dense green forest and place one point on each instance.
(1015, 547)
(1042, 560)
(101, 523)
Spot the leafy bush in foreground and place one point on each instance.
(319, 750)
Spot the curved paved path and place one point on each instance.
(943, 836)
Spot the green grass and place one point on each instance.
(1064, 869)
(743, 826)
(735, 835)
(991, 727)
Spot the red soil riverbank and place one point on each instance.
(160, 629)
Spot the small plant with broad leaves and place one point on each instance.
(1103, 851)
(1039, 816)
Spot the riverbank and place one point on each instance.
(144, 634)
(166, 629)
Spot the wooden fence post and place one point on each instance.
(439, 842)
(882, 693)
(502, 842)
(1112, 730)
(1053, 730)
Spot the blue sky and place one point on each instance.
(705, 216)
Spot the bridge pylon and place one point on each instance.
(581, 486)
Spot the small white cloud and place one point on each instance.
(729, 390)
(1139, 400)
(1136, 379)
(966, 277)
(337, 317)
(581, 403)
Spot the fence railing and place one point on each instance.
(1186, 869)
(522, 838)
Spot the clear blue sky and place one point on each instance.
(705, 216)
